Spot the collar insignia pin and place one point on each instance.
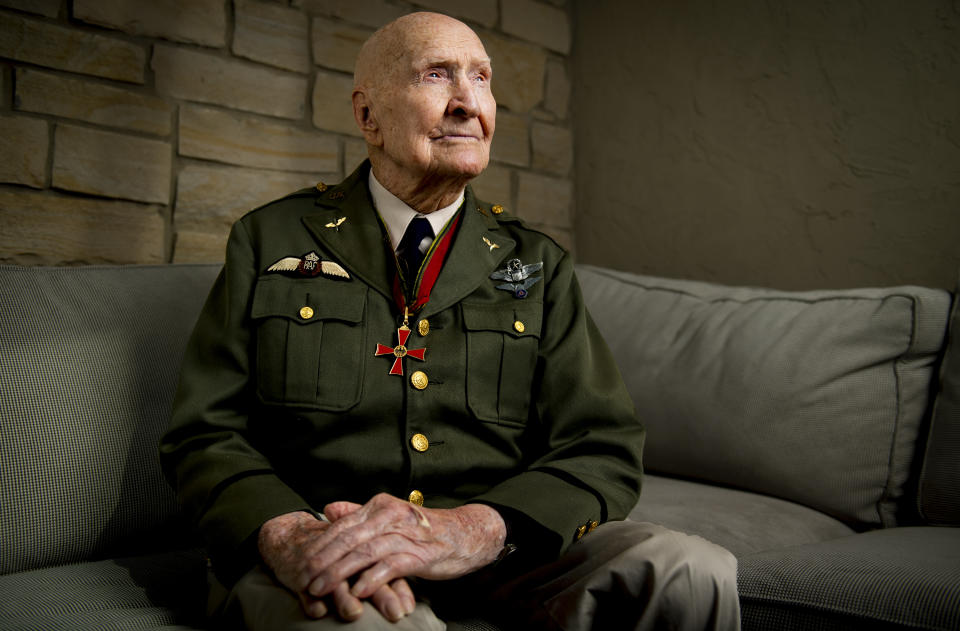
(310, 264)
(336, 224)
(518, 277)
(490, 243)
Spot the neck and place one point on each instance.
(425, 193)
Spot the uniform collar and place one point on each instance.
(346, 223)
(397, 215)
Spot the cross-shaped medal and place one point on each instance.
(400, 350)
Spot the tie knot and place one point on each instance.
(418, 230)
(413, 246)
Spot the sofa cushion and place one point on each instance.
(740, 521)
(899, 576)
(164, 591)
(89, 358)
(816, 397)
(939, 496)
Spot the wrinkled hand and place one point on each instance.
(284, 544)
(387, 539)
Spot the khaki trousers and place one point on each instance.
(623, 575)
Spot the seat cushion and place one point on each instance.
(740, 521)
(899, 577)
(165, 591)
(817, 397)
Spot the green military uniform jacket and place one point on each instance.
(282, 408)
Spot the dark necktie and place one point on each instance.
(412, 247)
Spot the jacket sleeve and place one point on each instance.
(225, 485)
(589, 468)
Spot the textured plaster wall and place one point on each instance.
(787, 144)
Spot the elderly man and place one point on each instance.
(418, 365)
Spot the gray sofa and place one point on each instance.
(797, 429)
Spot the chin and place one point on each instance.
(467, 167)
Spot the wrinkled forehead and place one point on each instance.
(442, 43)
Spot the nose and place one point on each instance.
(463, 101)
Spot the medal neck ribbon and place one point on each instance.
(418, 292)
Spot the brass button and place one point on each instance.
(593, 526)
(419, 442)
(581, 531)
(496, 209)
(321, 186)
(419, 380)
(423, 327)
(415, 497)
(518, 325)
(306, 313)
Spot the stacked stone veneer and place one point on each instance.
(137, 132)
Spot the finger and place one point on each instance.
(402, 588)
(313, 607)
(348, 607)
(381, 560)
(383, 573)
(388, 603)
(382, 516)
(339, 510)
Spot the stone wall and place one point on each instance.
(137, 132)
(780, 143)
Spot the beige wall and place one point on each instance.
(137, 132)
(787, 144)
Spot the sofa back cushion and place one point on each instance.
(89, 358)
(939, 497)
(816, 397)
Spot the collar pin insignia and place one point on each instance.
(336, 224)
(490, 243)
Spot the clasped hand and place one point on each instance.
(378, 544)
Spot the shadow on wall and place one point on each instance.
(790, 145)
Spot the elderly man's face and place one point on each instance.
(435, 110)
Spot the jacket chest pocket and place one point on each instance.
(502, 347)
(309, 339)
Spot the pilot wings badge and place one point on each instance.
(518, 277)
(310, 265)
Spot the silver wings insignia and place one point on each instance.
(518, 277)
(310, 264)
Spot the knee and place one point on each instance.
(700, 577)
(686, 581)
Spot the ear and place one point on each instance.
(365, 119)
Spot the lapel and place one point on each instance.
(361, 244)
(470, 261)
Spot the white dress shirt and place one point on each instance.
(397, 215)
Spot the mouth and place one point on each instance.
(453, 136)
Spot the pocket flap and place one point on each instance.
(522, 319)
(308, 300)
